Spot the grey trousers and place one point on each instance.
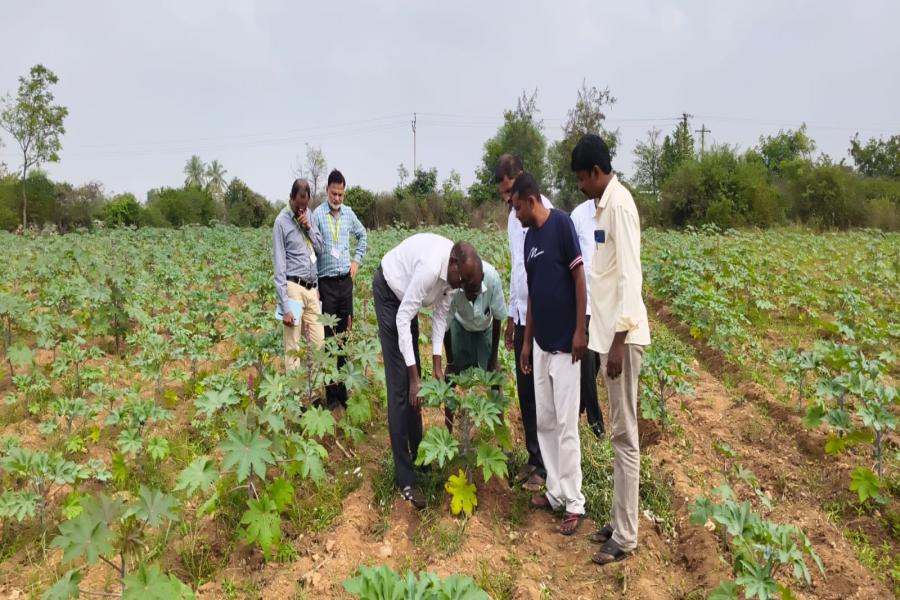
(623, 429)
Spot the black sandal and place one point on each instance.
(414, 496)
(609, 553)
(602, 535)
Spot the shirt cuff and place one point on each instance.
(626, 323)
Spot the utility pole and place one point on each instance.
(702, 131)
(414, 143)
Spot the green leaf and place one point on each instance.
(438, 445)
(248, 451)
(213, 400)
(263, 523)
(20, 355)
(865, 483)
(152, 506)
(317, 422)
(65, 588)
(757, 581)
(158, 448)
(726, 590)
(130, 441)
(462, 494)
(18, 505)
(84, 535)
(281, 492)
(308, 460)
(199, 475)
(491, 460)
(359, 409)
(149, 583)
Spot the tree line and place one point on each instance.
(780, 180)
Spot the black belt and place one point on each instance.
(337, 277)
(299, 281)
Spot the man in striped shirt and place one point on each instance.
(337, 223)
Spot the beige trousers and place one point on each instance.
(623, 403)
(309, 326)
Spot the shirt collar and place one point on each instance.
(604, 199)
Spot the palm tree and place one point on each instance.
(195, 171)
(215, 179)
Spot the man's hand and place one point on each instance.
(509, 335)
(438, 372)
(579, 344)
(354, 267)
(288, 319)
(414, 399)
(616, 356)
(525, 358)
(304, 221)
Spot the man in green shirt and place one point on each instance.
(474, 319)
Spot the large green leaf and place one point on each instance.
(149, 583)
(437, 445)
(247, 451)
(199, 475)
(66, 587)
(317, 422)
(153, 506)
(86, 536)
(491, 460)
(262, 523)
(308, 460)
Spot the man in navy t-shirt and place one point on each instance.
(555, 341)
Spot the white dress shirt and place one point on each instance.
(583, 218)
(416, 271)
(616, 276)
(518, 280)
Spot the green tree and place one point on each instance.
(78, 206)
(676, 149)
(788, 146)
(195, 173)
(244, 207)
(587, 116)
(215, 179)
(34, 122)
(522, 133)
(648, 162)
(877, 157)
(122, 210)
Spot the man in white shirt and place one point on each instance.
(619, 332)
(583, 218)
(420, 271)
(533, 474)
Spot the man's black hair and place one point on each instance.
(591, 151)
(508, 166)
(336, 177)
(300, 185)
(526, 186)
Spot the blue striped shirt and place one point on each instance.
(336, 234)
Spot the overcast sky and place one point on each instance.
(249, 83)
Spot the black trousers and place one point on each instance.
(525, 387)
(336, 294)
(590, 368)
(404, 421)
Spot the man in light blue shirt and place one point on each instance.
(337, 223)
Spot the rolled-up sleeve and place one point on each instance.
(279, 262)
(362, 238)
(315, 235)
(439, 324)
(626, 229)
(498, 302)
(409, 307)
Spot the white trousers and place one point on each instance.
(557, 395)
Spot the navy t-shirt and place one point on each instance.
(551, 252)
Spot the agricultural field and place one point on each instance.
(152, 447)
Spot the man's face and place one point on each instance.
(505, 189)
(524, 210)
(300, 202)
(462, 275)
(473, 288)
(336, 195)
(589, 182)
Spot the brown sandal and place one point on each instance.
(541, 501)
(570, 524)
